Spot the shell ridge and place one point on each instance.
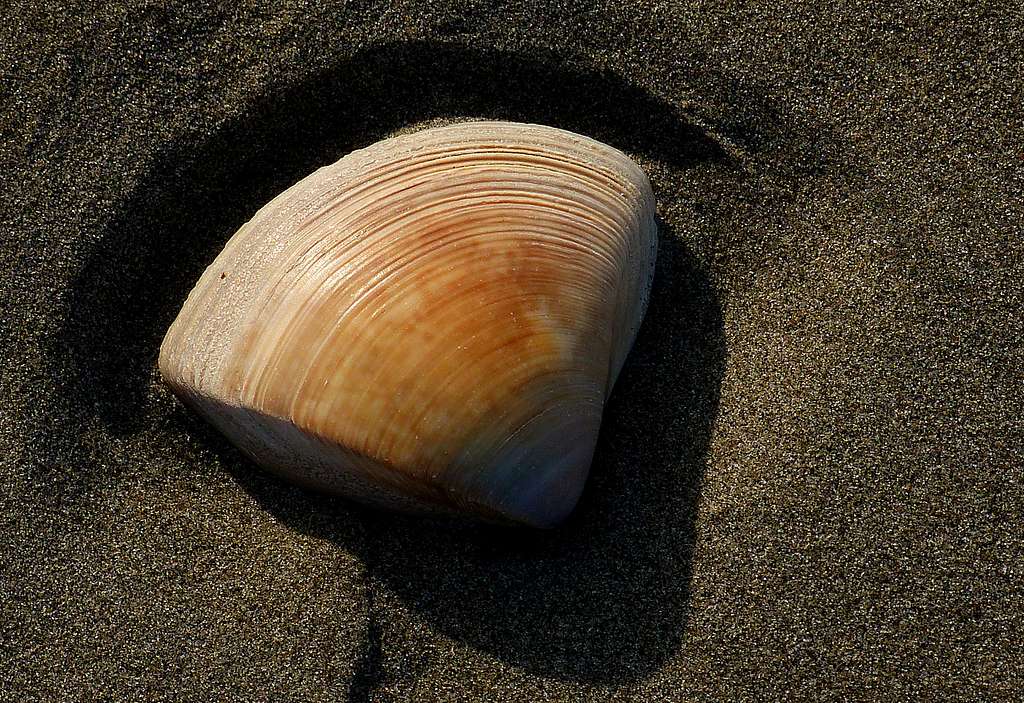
(433, 321)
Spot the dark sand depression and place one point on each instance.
(810, 479)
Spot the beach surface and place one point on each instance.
(810, 478)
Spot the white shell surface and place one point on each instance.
(431, 323)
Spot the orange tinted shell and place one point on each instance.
(431, 323)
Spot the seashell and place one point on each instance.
(433, 323)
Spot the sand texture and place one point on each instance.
(809, 483)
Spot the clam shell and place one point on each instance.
(432, 323)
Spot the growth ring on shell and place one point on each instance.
(432, 323)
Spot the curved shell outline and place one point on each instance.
(432, 323)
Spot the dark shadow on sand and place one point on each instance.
(601, 599)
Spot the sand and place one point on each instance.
(809, 483)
